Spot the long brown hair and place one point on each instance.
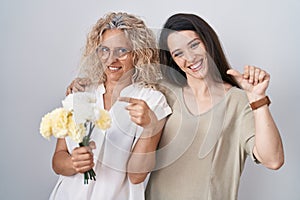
(180, 22)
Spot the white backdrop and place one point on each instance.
(40, 46)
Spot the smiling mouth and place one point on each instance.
(197, 66)
(114, 68)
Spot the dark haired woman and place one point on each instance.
(215, 125)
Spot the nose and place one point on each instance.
(111, 58)
(189, 57)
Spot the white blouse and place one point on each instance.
(112, 152)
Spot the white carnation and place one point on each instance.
(83, 106)
(68, 102)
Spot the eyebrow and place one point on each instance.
(193, 40)
(118, 47)
(187, 44)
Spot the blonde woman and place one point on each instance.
(120, 59)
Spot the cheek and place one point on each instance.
(129, 64)
(179, 62)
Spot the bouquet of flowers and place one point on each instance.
(76, 119)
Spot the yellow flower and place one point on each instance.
(104, 120)
(46, 126)
(60, 122)
(76, 131)
(56, 123)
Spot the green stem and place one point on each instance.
(85, 142)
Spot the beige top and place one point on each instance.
(202, 157)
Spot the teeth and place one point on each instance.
(114, 68)
(196, 65)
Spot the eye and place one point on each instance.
(178, 54)
(195, 45)
(104, 49)
(121, 51)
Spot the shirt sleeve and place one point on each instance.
(160, 106)
(157, 102)
(248, 131)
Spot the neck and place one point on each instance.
(116, 86)
(206, 88)
(199, 87)
(113, 90)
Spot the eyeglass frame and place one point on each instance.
(116, 54)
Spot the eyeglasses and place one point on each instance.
(121, 53)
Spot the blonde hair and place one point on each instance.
(145, 51)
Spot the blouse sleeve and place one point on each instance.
(158, 104)
(156, 101)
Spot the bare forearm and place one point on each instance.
(139, 166)
(268, 145)
(62, 163)
(142, 159)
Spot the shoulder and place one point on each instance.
(238, 94)
(150, 95)
(154, 98)
(171, 91)
(237, 97)
(138, 90)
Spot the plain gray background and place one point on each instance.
(40, 46)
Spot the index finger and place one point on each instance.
(128, 99)
(82, 150)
